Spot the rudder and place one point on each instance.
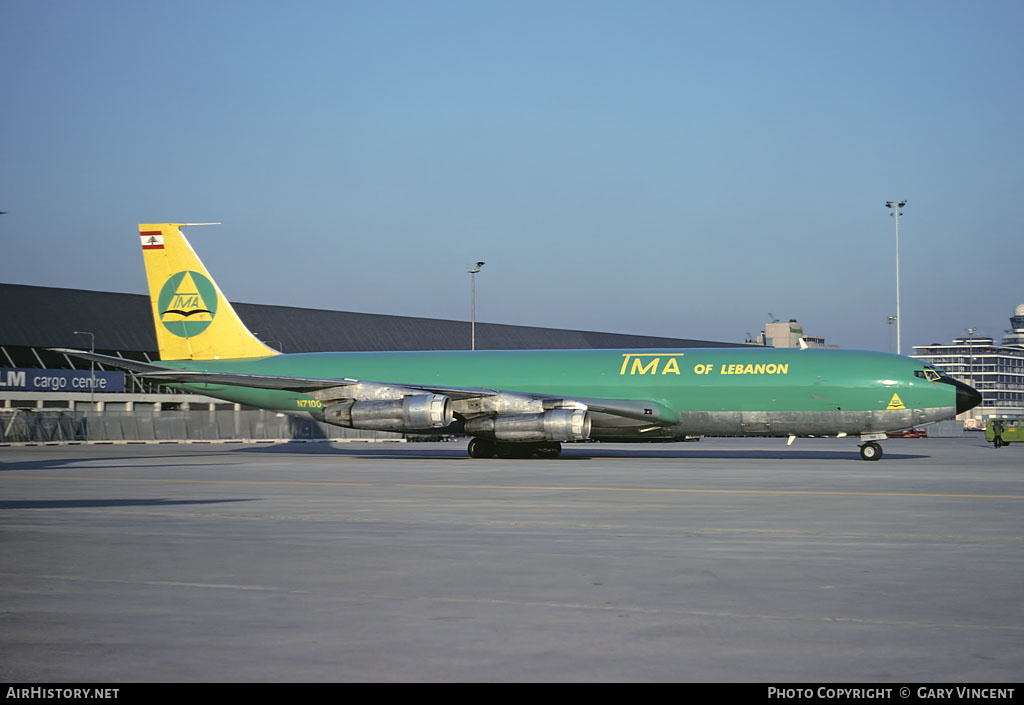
(193, 319)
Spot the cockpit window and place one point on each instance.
(928, 374)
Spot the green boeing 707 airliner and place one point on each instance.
(523, 403)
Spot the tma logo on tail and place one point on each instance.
(187, 304)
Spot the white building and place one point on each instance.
(780, 334)
(995, 370)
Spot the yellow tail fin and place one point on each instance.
(193, 319)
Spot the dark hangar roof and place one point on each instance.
(38, 316)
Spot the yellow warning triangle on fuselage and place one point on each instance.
(896, 402)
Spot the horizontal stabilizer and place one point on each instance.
(120, 363)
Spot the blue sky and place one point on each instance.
(667, 168)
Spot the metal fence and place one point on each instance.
(56, 425)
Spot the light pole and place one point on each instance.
(892, 319)
(92, 367)
(472, 289)
(970, 348)
(896, 211)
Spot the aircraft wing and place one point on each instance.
(328, 389)
(470, 400)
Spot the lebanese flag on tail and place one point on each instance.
(152, 239)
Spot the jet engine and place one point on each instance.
(554, 425)
(416, 412)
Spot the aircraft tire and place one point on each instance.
(480, 448)
(871, 451)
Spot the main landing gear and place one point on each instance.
(486, 448)
(871, 451)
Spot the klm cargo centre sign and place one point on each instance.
(18, 379)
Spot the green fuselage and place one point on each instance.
(755, 391)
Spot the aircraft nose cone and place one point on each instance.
(967, 397)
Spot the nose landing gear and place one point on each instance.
(871, 451)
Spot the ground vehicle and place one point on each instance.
(1004, 431)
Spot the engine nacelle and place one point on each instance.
(554, 425)
(417, 412)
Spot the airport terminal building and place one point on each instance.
(49, 396)
(996, 370)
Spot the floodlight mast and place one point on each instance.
(896, 210)
(970, 345)
(472, 277)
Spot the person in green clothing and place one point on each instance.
(997, 433)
